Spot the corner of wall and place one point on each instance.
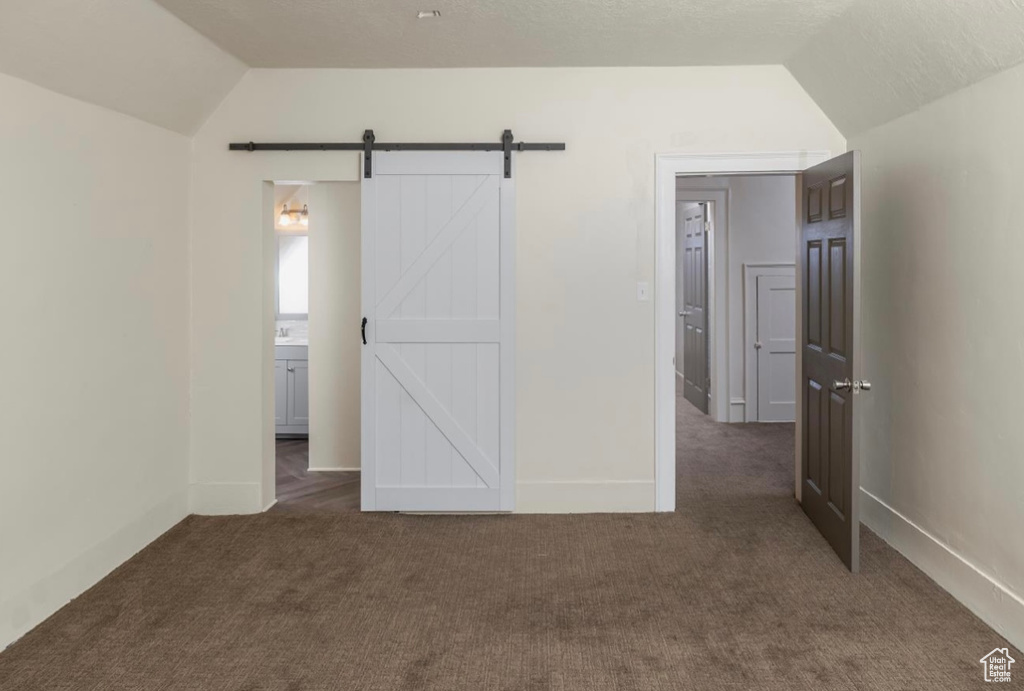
(23, 611)
(206, 117)
(801, 84)
(225, 498)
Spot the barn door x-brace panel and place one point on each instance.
(370, 144)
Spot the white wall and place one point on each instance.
(943, 343)
(93, 407)
(334, 316)
(585, 346)
(761, 228)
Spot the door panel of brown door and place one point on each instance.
(830, 478)
(695, 307)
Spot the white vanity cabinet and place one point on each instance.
(291, 389)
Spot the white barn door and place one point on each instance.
(438, 295)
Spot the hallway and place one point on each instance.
(748, 464)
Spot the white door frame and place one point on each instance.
(666, 168)
(751, 272)
(425, 163)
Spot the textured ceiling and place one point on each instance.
(884, 58)
(507, 33)
(863, 61)
(131, 56)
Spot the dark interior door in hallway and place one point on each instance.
(693, 311)
(830, 478)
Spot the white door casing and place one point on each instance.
(776, 348)
(438, 251)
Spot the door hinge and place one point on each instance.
(707, 226)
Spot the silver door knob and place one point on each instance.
(854, 386)
(758, 345)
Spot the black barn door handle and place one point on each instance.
(364, 330)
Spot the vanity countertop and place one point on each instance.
(291, 341)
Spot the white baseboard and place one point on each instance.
(992, 601)
(585, 497)
(333, 470)
(23, 611)
(225, 498)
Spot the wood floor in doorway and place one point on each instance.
(298, 489)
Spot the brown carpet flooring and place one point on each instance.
(734, 591)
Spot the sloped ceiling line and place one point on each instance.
(884, 58)
(131, 56)
(171, 62)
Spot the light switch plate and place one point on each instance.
(643, 291)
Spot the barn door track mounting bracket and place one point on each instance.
(370, 144)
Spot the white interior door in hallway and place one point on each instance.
(437, 367)
(775, 347)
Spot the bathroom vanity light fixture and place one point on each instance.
(291, 216)
(428, 14)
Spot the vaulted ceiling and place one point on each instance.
(884, 58)
(508, 33)
(131, 56)
(863, 61)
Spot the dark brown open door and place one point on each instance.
(830, 475)
(694, 311)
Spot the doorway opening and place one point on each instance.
(735, 345)
(825, 252)
(316, 288)
(668, 169)
(735, 300)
